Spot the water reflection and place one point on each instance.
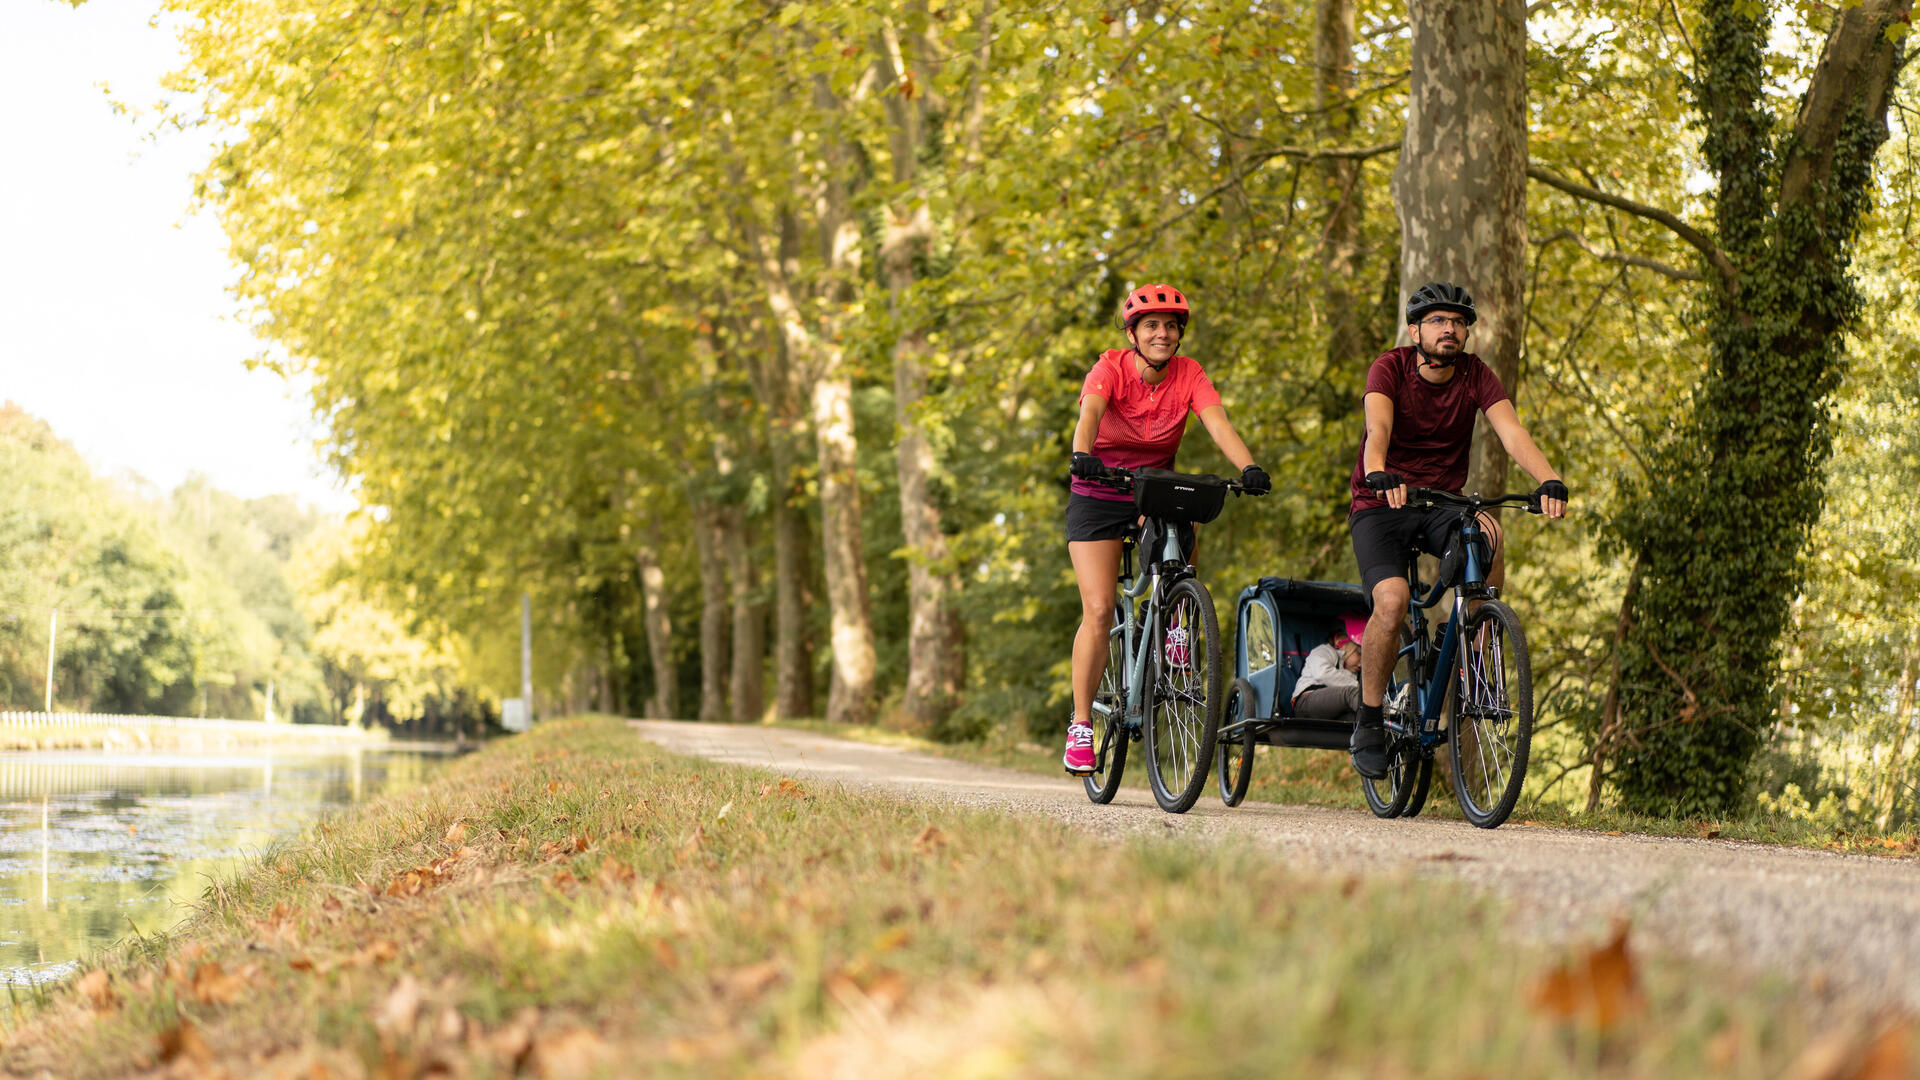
(94, 845)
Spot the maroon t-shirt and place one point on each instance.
(1432, 425)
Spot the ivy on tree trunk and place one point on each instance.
(1720, 526)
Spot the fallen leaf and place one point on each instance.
(564, 880)
(214, 985)
(751, 981)
(1602, 989)
(694, 842)
(183, 1041)
(303, 963)
(785, 789)
(614, 871)
(1841, 1055)
(456, 833)
(401, 1008)
(97, 988)
(511, 1043)
(577, 1052)
(930, 840)
(379, 952)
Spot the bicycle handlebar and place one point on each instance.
(1120, 478)
(1435, 497)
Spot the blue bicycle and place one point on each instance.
(1163, 675)
(1477, 661)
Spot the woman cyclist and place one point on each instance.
(1133, 413)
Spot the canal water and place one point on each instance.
(94, 844)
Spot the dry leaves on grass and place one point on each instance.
(97, 988)
(785, 789)
(456, 833)
(561, 849)
(747, 983)
(1844, 1055)
(930, 841)
(421, 878)
(1601, 989)
(183, 1042)
(575, 1052)
(397, 1012)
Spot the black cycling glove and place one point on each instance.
(1552, 489)
(1086, 466)
(1255, 480)
(1384, 481)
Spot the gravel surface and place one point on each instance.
(1842, 923)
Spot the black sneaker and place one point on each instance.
(1369, 749)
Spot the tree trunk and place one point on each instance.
(1461, 182)
(792, 649)
(715, 633)
(936, 658)
(1343, 208)
(747, 680)
(665, 703)
(850, 694)
(1895, 772)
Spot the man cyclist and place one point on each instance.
(1420, 405)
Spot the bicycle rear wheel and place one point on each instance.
(1492, 715)
(1236, 752)
(1109, 718)
(1186, 702)
(1389, 796)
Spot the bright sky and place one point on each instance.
(115, 323)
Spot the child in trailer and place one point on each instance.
(1329, 685)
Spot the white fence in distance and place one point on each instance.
(194, 723)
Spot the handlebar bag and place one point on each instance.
(1176, 496)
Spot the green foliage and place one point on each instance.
(1719, 525)
(525, 258)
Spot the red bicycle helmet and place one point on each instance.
(1148, 299)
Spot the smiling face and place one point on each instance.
(1156, 337)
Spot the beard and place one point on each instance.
(1437, 359)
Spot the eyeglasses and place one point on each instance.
(1439, 322)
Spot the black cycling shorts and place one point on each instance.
(1382, 536)
(1089, 518)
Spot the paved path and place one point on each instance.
(1848, 922)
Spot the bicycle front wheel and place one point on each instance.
(1492, 715)
(1186, 700)
(1109, 718)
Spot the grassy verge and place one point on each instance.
(1324, 778)
(574, 902)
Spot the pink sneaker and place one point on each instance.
(1178, 652)
(1079, 756)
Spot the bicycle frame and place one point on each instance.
(1135, 632)
(1428, 669)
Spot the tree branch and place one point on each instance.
(1652, 213)
(1640, 261)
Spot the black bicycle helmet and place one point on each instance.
(1439, 296)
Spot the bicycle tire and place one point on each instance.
(1235, 762)
(1184, 722)
(1492, 732)
(1387, 797)
(1110, 729)
(1422, 784)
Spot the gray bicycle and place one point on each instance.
(1163, 675)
